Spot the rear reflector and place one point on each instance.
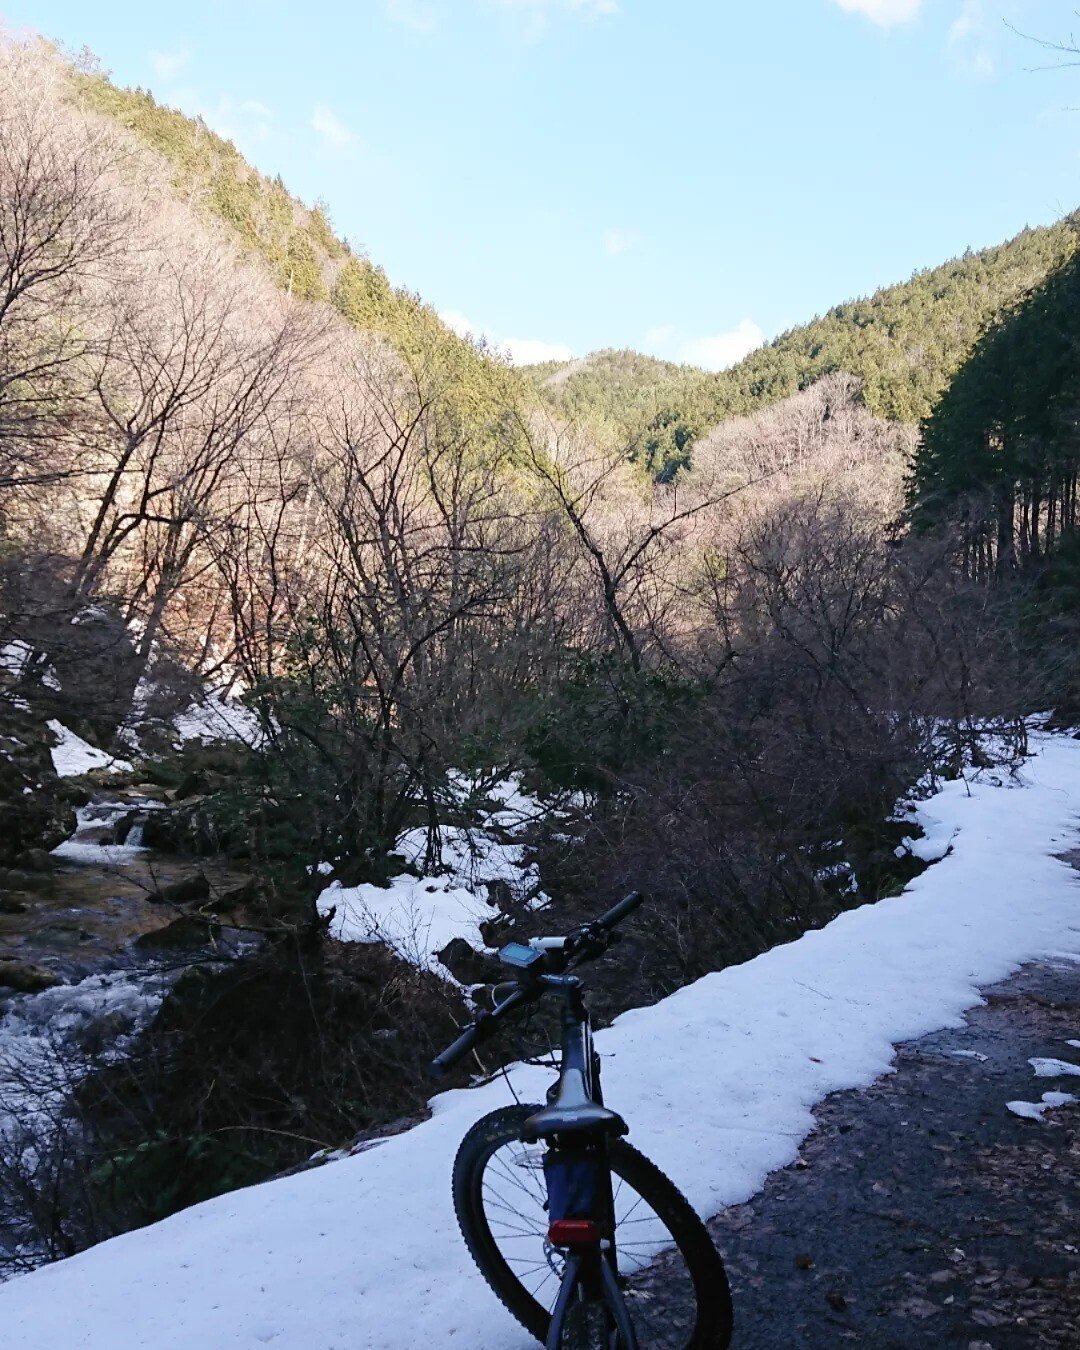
(573, 1233)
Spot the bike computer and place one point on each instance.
(520, 957)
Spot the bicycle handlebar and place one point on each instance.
(485, 1025)
(622, 910)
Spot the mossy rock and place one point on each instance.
(35, 808)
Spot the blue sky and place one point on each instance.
(678, 176)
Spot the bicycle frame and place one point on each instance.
(579, 1178)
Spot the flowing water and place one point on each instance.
(80, 920)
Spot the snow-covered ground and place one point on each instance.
(418, 916)
(218, 718)
(718, 1082)
(71, 755)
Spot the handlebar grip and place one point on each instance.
(617, 913)
(443, 1062)
(486, 1025)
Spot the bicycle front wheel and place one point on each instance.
(672, 1277)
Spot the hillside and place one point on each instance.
(298, 243)
(905, 342)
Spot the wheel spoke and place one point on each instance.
(659, 1276)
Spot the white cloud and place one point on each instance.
(418, 15)
(618, 241)
(246, 124)
(724, 349)
(660, 336)
(968, 40)
(589, 9)
(536, 15)
(528, 351)
(167, 65)
(522, 351)
(454, 319)
(883, 12)
(330, 128)
(425, 16)
(715, 352)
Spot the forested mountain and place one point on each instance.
(904, 342)
(298, 243)
(998, 458)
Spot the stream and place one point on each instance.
(94, 922)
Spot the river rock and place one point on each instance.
(232, 898)
(25, 978)
(190, 930)
(35, 813)
(34, 860)
(187, 891)
(466, 964)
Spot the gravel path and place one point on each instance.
(922, 1211)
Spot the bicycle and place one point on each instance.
(583, 1239)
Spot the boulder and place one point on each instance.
(35, 813)
(186, 891)
(26, 978)
(188, 931)
(34, 860)
(467, 965)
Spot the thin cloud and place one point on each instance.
(723, 349)
(618, 241)
(463, 327)
(246, 124)
(530, 351)
(660, 336)
(522, 351)
(167, 65)
(589, 9)
(538, 13)
(968, 40)
(714, 351)
(417, 15)
(886, 13)
(330, 129)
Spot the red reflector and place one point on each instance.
(573, 1232)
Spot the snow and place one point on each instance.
(71, 755)
(418, 916)
(1054, 1068)
(218, 718)
(13, 656)
(1038, 1110)
(718, 1082)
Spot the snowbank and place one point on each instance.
(217, 718)
(71, 755)
(718, 1082)
(419, 916)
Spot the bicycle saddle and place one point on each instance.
(572, 1112)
